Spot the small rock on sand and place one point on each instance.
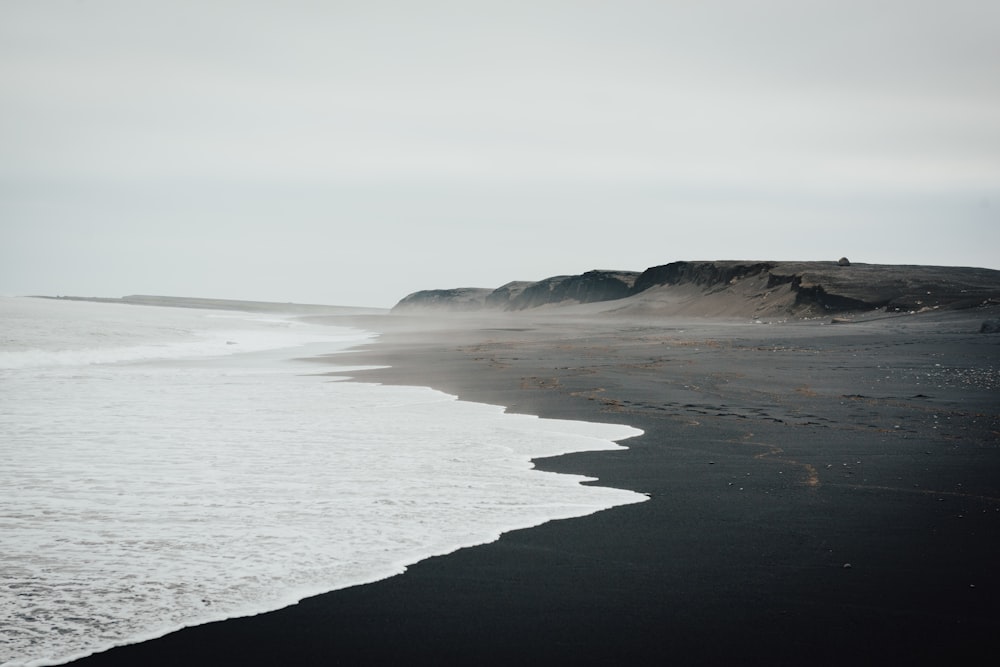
(990, 326)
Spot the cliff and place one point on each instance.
(590, 287)
(737, 289)
(459, 299)
(827, 287)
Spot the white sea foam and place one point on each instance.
(145, 496)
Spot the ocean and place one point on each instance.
(166, 467)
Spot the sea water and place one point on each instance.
(165, 467)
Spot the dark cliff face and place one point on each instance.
(502, 296)
(461, 299)
(586, 288)
(698, 273)
(590, 287)
(718, 276)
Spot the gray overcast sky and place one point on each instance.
(352, 152)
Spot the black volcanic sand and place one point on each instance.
(820, 494)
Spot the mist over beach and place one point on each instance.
(489, 333)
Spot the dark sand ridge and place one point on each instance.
(775, 455)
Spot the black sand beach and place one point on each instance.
(819, 494)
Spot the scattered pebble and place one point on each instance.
(847, 566)
(982, 377)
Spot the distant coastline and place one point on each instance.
(740, 289)
(223, 304)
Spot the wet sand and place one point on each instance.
(819, 494)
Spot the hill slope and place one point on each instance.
(736, 289)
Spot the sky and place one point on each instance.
(352, 152)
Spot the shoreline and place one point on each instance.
(449, 495)
(773, 460)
